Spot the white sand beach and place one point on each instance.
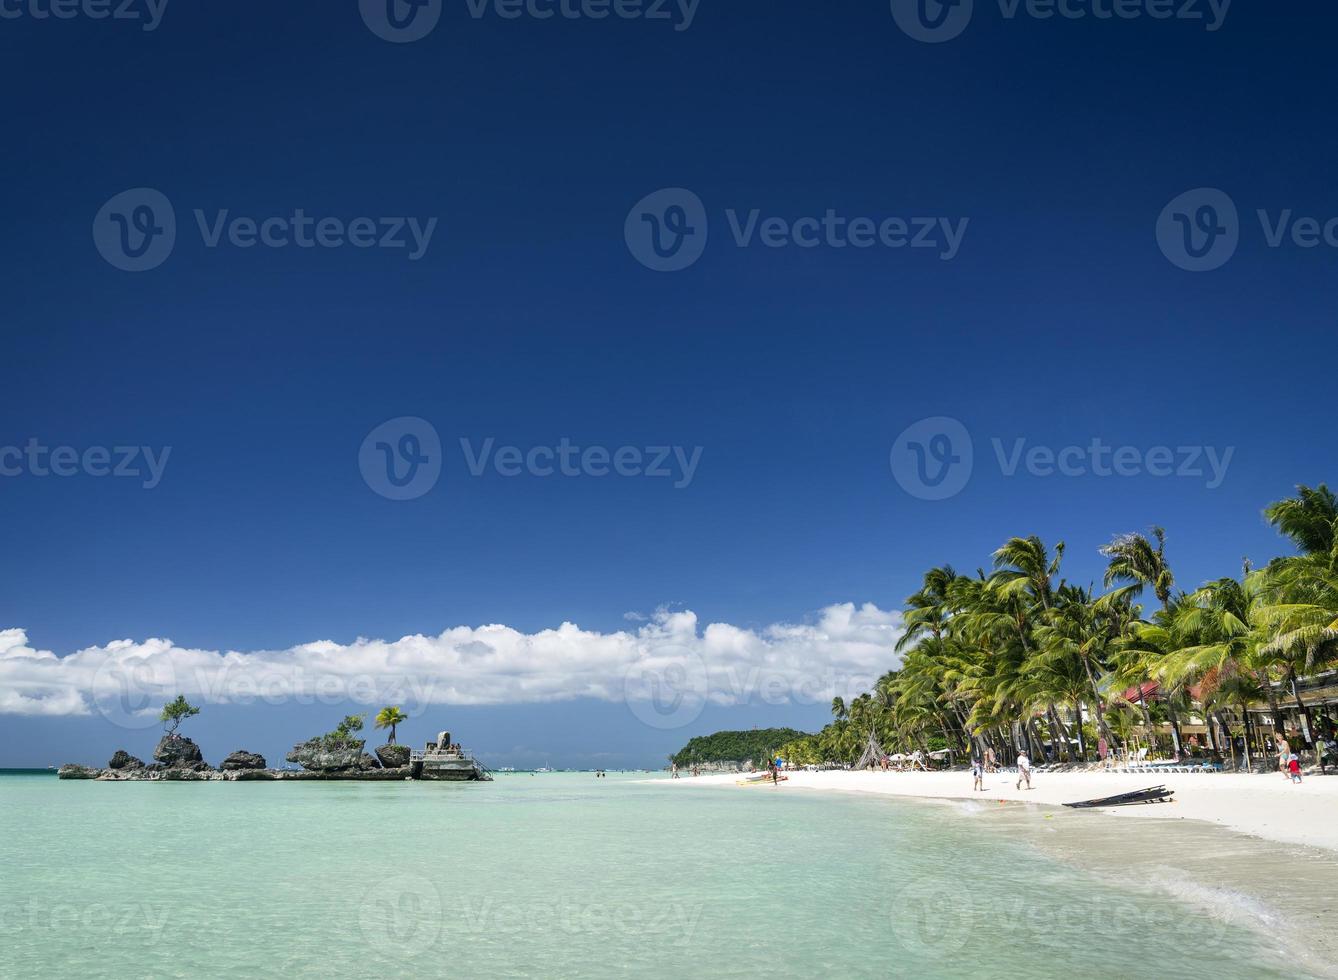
(1263, 805)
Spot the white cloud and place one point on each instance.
(841, 651)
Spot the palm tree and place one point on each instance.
(1302, 613)
(389, 717)
(1082, 631)
(1135, 560)
(839, 710)
(1217, 640)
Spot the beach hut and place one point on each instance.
(873, 752)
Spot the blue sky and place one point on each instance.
(528, 320)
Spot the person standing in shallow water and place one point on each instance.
(1023, 770)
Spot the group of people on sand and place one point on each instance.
(980, 766)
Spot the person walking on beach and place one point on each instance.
(1023, 770)
(977, 774)
(1294, 767)
(1327, 749)
(674, 766)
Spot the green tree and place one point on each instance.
(389, 717)
(1136, 561)
(175, 712)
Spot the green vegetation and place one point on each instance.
(343, 735)
(1018, 658)
(175, 712)
(758, 745)
(389, 717)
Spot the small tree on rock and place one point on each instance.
(389, 717)
(175, 712)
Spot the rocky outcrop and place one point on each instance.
(72, 771)
(121, 759)
(241, 759)
(323, 755)
(393, 756)
(200, 772)
(175, 751)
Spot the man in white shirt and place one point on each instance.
(1023, 770)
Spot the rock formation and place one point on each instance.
(72, 771)
(393, 756)
(322, 755)
(241, 759)
(121, 759)
(177, 751)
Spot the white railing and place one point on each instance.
(425, 755)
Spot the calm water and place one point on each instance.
(563, 875)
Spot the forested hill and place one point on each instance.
(757, 744)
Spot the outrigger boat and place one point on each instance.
(760, 779)
(1153, 794)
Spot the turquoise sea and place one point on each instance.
(566, 875)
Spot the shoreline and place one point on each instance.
(1266, 806)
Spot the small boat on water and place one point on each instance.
(1153, 794)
